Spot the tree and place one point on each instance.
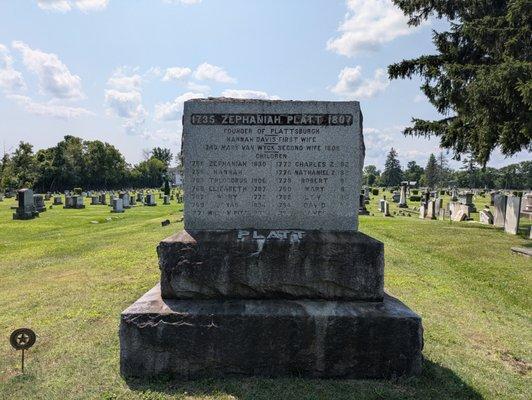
(480, 79)
(392, 174)
(413, 172)
(371, 174)
(431, 172)
(443, 170)
(24, 165)
(165, 155)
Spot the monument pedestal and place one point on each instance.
(270, 303)
(189, 339)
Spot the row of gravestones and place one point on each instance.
(507, 212)
(30, 205)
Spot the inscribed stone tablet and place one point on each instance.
(272, 164)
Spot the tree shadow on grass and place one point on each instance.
(435, 382)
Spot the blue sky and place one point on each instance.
(119, 70)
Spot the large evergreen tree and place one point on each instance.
(431, 172)
(392, 174)
(480, 79)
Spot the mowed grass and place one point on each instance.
(69, 279)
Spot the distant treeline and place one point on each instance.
(74, 162)
(438, 174)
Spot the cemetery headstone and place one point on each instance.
(26, 206)
(499, 216)
(467, 199)
(38, 200)
(513, 211)
(402, 197)
(78, 202)
(166, 200)
(485, 216)
(459, 212)
(264, 285)
(58, 200)
(431, 210)
(117, 205)
(150, 200)
(386, 210)
(362, 210)
(103, 199)
(95, 200)
(125, 200)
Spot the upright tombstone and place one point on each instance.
(402, 197)
(499, 202)
(69, 201)
(386, 210)
(78, 202)
(467, 199)
(431, 210)
(103, 199)
(117, 205)
(150, 200)
(125, 200)
(438, 205)
(58, 200)
(26, 205)
(38, 200)
(95, 200)
(513, 211)
(261, 283)
(132, 201)
(166, 200)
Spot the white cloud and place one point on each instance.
(124, 99)
(211, 72)
(121, 80)
(64, 6)
(11, 80)
(125, 104)
(172, 137)
(91, 5)
(248, 94)
(176, 73)
(352, 85)
(55, 5)
(173, 110)
(49, 109)
(55, 78)
(367, 25)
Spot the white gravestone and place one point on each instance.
(513, 210)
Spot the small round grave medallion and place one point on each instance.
(22, 339)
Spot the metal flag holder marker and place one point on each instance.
(22, 339)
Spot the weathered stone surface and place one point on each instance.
(499, 202)
(325, 339)
(272, 164)
(459, 212)
(271, 264)
(513, 211)
(486, 217)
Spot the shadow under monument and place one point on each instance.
(435, 382)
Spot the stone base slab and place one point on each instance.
(271, 264)
(188, 339)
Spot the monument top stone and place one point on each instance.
(272, 164)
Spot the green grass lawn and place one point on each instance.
(69, 279)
